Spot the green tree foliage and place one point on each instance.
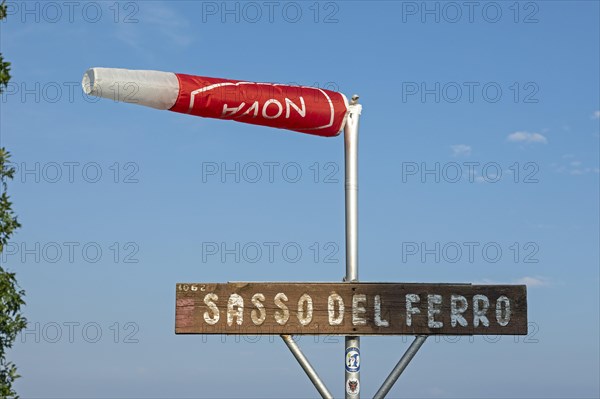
(4, 66)
(11, 296)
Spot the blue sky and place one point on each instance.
(117, 206)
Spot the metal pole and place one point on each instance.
(352, 343)
(308, 368)
(400, 367)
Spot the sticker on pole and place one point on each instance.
(352, 386)
(352, 359)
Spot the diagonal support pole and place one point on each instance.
(308, 368)
(400, 367)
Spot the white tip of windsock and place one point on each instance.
(150, 88)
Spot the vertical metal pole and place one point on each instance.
(352, 343)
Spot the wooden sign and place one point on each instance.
(351, 309)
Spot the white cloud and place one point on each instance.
(155, 26)
(527, 137)
(460, 150)
(572, 166)
(171, 25)
(596, 115)
(533, 281)
(529, 281)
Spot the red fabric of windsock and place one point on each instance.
(299, 108)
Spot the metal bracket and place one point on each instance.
(399, 368)
(308, 368)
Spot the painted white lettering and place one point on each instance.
(235, 309)
(259, 314)
(358, 311)
(410, 309)
(228, 112)
(209, 300)
(379, 322)
(331, 307)
(503, 319)
(305, 318)
(479, 310)
(282, 316)
(254, 107)
(433, 308)
(457, 310)
(266, 106)
(289, 104)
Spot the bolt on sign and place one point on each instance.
(350, 309)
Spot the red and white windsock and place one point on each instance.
(303, 109)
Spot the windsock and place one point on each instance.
(299, 108)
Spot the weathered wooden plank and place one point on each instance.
(350, 309)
